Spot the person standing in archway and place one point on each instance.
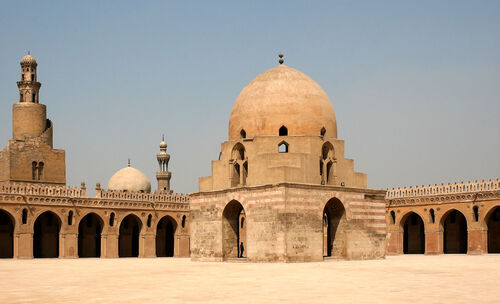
(242, 249)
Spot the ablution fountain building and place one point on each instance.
(281, 191)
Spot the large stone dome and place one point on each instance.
(282, 96)
(129, 179)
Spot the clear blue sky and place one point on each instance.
(415, 84)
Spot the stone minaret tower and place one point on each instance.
(29, 156)
(163, 176)
(29, 117)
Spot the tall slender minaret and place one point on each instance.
(29, 116)
(163, 176)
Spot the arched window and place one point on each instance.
(149, 220)
(34, 170)
(70, 218)
(283, 147)
(393, 217)
(283, 131)
(40, 170)
(433, 216)
(243, 134)
(476, 213)
(25, 216)
(323, 131)
(112, 219)
(183, 223)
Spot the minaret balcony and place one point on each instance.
(163, 175)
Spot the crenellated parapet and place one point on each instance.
(455, 188)
(42, 190)
(34, 194)
(142, 196)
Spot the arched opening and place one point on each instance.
(183, 223)
(323, 131)
(283, 147)
(413, 234)
(243, 133)
(165, 237)
(239, 164)
(150, 218)
(34, 170)
(493, 223)
(128, 241)
(334, 227)
(70, 218)
(89, 236)
(326, 163)
(40, 170)
(475, 210)
(233, 237)
(112, 219)
(283, 131)
(46, 236)
(24, 217)
(6, 235)
(393, 217)
(432, 216)
(454, 233)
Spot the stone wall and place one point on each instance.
(284, 222)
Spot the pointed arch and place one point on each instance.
(492, 220)
(165, 236)
(233, 237)
(413, 233)
(454, 226)
(46, 235)
(128, 240)
(283, 147)
(89, 236)
(334, 229)
(283, 131)
(7, 226)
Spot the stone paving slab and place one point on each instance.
(396, 279)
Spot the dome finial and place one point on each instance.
(29, 52)
(163, 137)
(281, 58)
(129, 162)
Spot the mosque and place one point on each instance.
(281, 191)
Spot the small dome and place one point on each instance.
(28, 59)
(282, 96)
(129, 179)
(163, 145)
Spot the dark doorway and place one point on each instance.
(232, 235)
(6, 235)
(46, 236)
(334, 225)
(413, 234)
(89, 236)
(455, 233)
(128, 242)
(165, 237)
(493, 223)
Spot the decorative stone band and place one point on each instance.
(34, 189)
(53, 201)
(140, 196)
(61, 195)
(455, 188)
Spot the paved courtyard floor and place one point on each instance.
(397, 279)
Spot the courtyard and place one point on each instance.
(396, 279)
